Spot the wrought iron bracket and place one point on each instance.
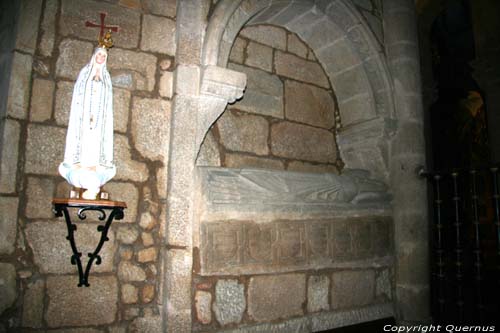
(61, 208)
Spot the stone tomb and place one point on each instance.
(255, 221)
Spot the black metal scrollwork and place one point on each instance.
(61, 209)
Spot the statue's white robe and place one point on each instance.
(89, 140)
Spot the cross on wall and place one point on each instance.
(102, 26)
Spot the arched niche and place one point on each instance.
(345, 47)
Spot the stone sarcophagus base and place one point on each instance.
(329, 234)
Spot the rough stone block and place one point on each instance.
(310, 167)
(158, 35)
(76, 330)
(352, 288)
(148, 324)
(178, 286)
(230, 301)
(248, 161)
(193, 15)
(326, 321)
(121, 103)
(148, 293)
(9, 155)
(127, 167)
(48, 28)
(128, 272)
(33, 305)
(276, 297)
(300, 69)
(405, 21)
(350, 83)
(147, 221)
(147, 255)
(413, 262)
(73, 56)
(129, 194)
(302, 142)
(8, 290)
(161, 182)
(263, 94)
(237, 53)
(161, 7)
(338, 56)
(187, 80)
(126, 234)
(268, 35)
(242, 132)
(8, 224)
(52, 252)
(166, 84)
(209, 154)
(41, 100)
(118, 329)
(44, 149)
(259, 56)
(74, 14)
(356, 110)
(19, 86)
(291, 12)
(310, 105)
(384, 285)
(317, 293)
(147, 239)
(296, 46)
(39, 193)
(413, 302)
(203, 304)
(129, 294)
(98, 302)
(62, 109)
(27, 28)
(376, 26)
(150, 127)
(312, 26)
(132, 70)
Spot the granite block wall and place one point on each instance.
(288, 115)
(39, 285)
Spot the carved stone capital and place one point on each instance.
(223, 83)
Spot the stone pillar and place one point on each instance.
(201, 95)
(407, 154)
(178, 253)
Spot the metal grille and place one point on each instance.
(465, 285)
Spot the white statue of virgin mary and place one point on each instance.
(88, 157)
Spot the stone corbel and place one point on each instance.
(223, 83)
(364, 146)
(219, 86)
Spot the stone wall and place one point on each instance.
(39, 286)
(288, 115)
(278, 255)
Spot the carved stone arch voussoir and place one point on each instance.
(347, 51)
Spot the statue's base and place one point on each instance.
(78, 193)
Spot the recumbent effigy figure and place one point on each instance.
(88, 156)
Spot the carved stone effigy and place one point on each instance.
(264, 221)
(258, 187)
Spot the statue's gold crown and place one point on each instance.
(106, 41)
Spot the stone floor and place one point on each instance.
(372, 326)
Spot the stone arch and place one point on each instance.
(348, 52)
